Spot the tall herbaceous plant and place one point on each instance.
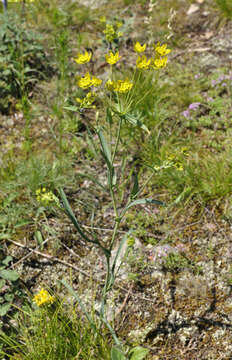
(119, 97)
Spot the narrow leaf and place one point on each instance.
(94, 180)
(109, 116)
(104, 146)
(122, 242)
(141, 202)
(39, 238)
(72, 217)
(135, 188)
(71, 108)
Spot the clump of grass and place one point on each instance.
(53, 330)
(226, 7)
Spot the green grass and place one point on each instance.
(54, 332)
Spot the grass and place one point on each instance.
(188, 149)
(54, 332)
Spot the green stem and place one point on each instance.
(117, 140)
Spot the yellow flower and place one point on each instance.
(96, 81)
(46, 197)
(83, 58)
(161, 50)
(43, 297)
(139, 48)
(159, 63)
(173, 160)
(142, 62)
(119, 24)
(112, 58)
(86, 81)
(87, 101)
(123, 86)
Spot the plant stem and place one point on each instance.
(117, 139)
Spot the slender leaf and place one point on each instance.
(122, 242)
(135, 188)
(94, 180)
(141, 202)
(105, 148)
(72, 217)
(71, 108)
(109, 116)
(39, 238)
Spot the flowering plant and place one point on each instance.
(119, 92)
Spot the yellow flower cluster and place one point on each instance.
(174, 161)
(121, 86)
(161, 50)
(139, 48)
(143, 63)
(112, 58)
(86, 81)
(83, 58)
(87, 101)
(159, 60)
(43, 297)
(46, 197)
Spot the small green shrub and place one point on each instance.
(22, 60)
(225, 6)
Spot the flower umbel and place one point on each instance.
(96, 81)
(46, 197)
(85, 82)
(112, 58)
(159, 63)
(121, 86)
(43, 297)
(174, 161)
(83, 58)
(161, 50)
(139, 48)
(142, 62)
(87, 101)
